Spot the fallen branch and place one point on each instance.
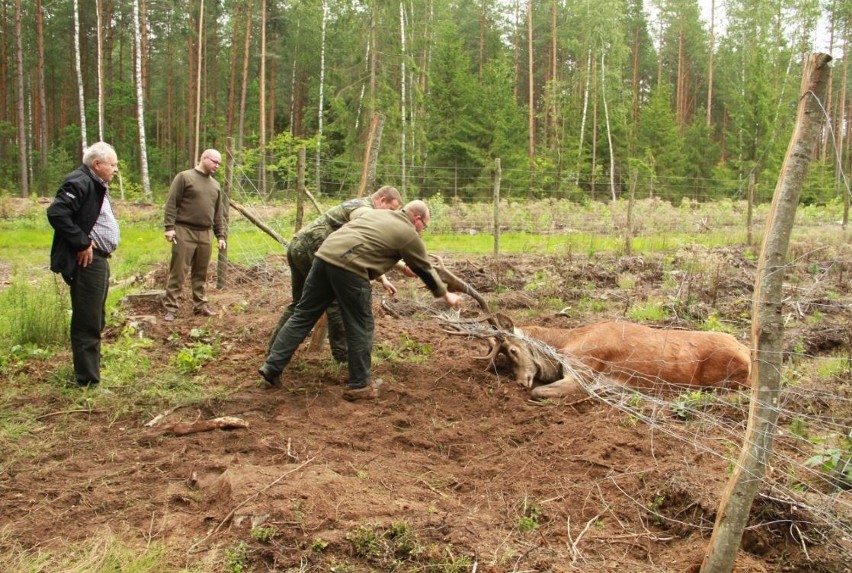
(260, 224)
(457, 284)
(223, 423)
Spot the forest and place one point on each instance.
(577, 100)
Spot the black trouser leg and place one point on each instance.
(355, 300)
(316, 297)
(88, 317)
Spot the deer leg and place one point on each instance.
(565, 388)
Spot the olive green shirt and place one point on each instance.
(195, 201)
(374, 241)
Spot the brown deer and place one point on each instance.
(634, 355)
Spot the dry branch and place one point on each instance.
(223, 423)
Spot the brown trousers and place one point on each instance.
(192, 251)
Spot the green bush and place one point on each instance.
(34, 314)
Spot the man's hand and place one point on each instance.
(389, 287)
(84, 258)
(170, 236)
(408, 272)
(222, 244)
(453, 299)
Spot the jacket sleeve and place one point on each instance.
(61, 214)
(414, 255)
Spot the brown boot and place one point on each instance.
(368, 392)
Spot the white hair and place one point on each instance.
(100, 151)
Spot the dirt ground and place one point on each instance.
(452, 469)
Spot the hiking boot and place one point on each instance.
(271, 379)
(368, 392)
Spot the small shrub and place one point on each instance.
(263, 534)
(237, 558)
(190, 359)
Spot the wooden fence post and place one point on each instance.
(222, 258)
(767, 326)
(498, 174)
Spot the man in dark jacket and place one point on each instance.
(85, 235)
(360, 251)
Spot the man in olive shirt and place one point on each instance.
(363, 249)
(300, 257)
(193, 208)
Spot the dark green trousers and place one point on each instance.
(300, 256)
(88, 317)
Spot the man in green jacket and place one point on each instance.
(362, 250)
(300, 257)
(193, 208)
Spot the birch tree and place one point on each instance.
(321, 96)
(140, 104)
(77, 66)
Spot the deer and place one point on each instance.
(630, 354)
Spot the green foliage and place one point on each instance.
(34, 314)
(408, 350)
(365, 542)
(688, 403)
(237, 558)
(263, 534)
(530, 516)
(190, 359)
(648, 311)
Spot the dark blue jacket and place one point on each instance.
(72, 215)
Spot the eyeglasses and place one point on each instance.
(213, 161)
(423, 222)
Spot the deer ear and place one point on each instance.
(504, 322)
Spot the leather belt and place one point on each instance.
(100, 253)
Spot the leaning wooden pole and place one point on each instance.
(767, 326)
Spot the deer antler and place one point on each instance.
(456, 284)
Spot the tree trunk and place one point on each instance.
(22, 131)
(710, 63)
(768, 327)
(530, 83)
(232, 83)
(100, 47)
(42, 98)
(608, 130)
(261, 164)
(140, 105)
(371, 154)
(402, 99)
(244, 87)
(321, 97)
(196, 148)
(80, 96)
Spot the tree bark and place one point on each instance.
(140, 105)
(530, 83)
(42, 99)
(261, 164)
(244, 87)
(100, 40)
(768, 327)
(22, 131)
(80, 96)
(196, 148)
(320, 99)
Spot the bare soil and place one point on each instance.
(451, 469)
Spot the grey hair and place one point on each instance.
(100, 151)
